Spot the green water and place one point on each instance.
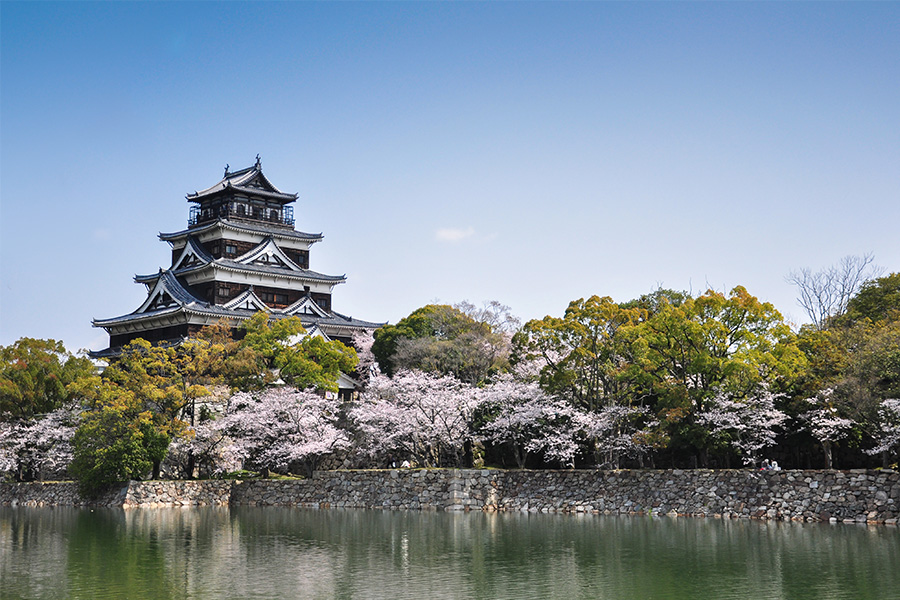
(299, 553)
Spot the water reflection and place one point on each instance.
(301, 553)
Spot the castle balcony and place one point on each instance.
(280, 216)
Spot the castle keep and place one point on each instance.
(240, 254)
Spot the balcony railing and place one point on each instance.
(282, 216)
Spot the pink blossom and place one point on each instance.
(40, 446)
(823, 421)
(367, 367)
(748, 423)
(280, 427)
(825, 424)
(528, 420)
(888, 436)
(613, 432)
(418, 415)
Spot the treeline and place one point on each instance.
(669, 379)
(59, 416)
(672, 379)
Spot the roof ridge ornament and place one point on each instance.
(258, 163)
(226, 170)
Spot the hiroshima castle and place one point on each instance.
(240, 254)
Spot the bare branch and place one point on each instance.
(825, 294)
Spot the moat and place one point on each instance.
(275, 552)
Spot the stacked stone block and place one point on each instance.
(859, 496)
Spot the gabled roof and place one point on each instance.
(248, 300)
(268, 254)
(243, 228)
(192, 254)
(226, 264)
(266, 258)
(168, 296)
(249, 181)
(305, 306)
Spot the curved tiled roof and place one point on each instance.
(187, 303)
(226, 264)
(243, 227)
(177, 291)
(268, 248)
(241, 265)
(238, 182)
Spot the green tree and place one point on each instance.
(878, 300)
(272, 348)
(688, 353)
(857, 356)
(585, 353)
(165, 379)
(143, 400)
(232, 362)
(118, 438)
(447, 340)
(35, 376)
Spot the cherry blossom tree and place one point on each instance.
(282, 427)
(825, 424)
(205, 447)
(613, 433)
(424, 416)
(559, 439)
(38, 447)
(519, 414)
(746, 424)
(887, 438)
(367, 367)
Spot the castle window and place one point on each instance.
(230, 249)
(273, 297)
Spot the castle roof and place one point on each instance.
(264, 259)
(169, 297)
(239, 226)
(249, 181)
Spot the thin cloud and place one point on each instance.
(453, 235)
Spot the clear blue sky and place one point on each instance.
(532, 153)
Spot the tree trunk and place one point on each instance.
(521, 455)
(826, 446)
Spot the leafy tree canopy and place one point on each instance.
(878, 300)
(35, 376)
(585, 351)
(658, 300)
(462, 341)
(119, 439)
(272, 348)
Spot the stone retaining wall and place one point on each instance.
(849, 496)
